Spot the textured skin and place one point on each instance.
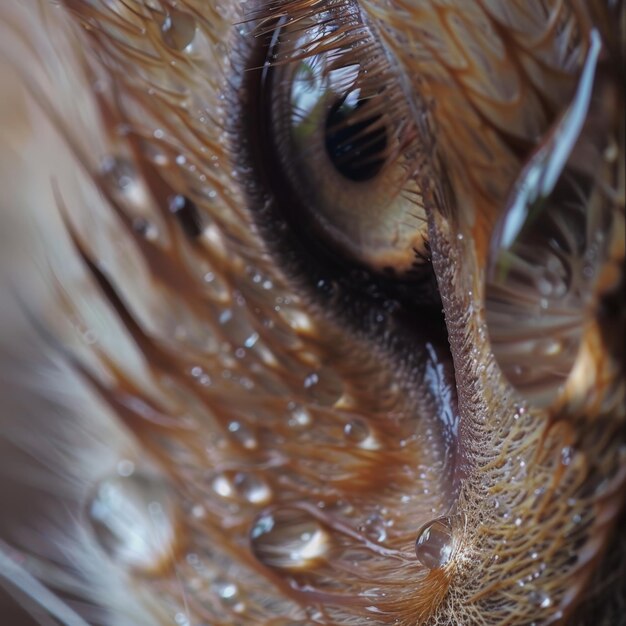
(214, 357)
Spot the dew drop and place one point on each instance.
(145, 228)
(374, 528)
(357, 431)
(225, 590)
(299, 418)
(125, 468)
(229, 594)
(178, 30)
(435, 543)
(134, 521)
(311, 380)
(120, 175)
(118, 171)
(243, 435)
(225, 316)
(289, 539)
(244, 486)
(298, 320)
(251, 340)
(540, 599)
(252, 488)
(181, 619)
(198, 511)
(538, 289)
(222, 486)
(566, 455)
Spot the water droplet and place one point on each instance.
(566, 455)
(435, 543)
(120, 175)
(540, 599)
(125, 468)
(181, 619)
(374, 528)
(178, 30)
(549, 347)
(311, 380)
(222, 486)
(252, 488)
(198, 511)
(538, 291)
(289, 539)
(134, 521)
(243, 435)
(145, 228)
(357, 431)
(299, 418)
(251, 340)
(118, 171)
(229, 594)
(243, 486)
(226, 590)
(297, 319)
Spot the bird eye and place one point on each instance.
(344, 151)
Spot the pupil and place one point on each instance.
(355, 142)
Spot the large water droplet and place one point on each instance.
(178, 29)
(435, 543)
(289, 539)
(547, 249)
(134, 521)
